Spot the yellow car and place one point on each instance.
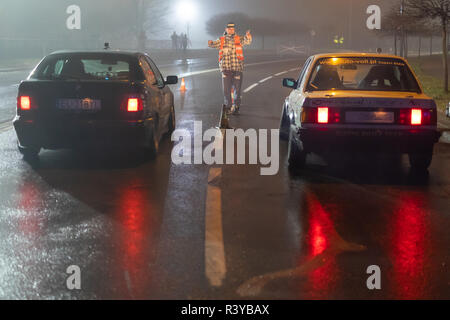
(358, 102)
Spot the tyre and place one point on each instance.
(151, 151)
(285, 125)
(296, 156)
(27, 152)
(421, 161)
(172, 124)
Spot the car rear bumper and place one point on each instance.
(368, 141)
(82, 134)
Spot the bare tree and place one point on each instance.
(151, 19)
(434, 10)
(401, 25)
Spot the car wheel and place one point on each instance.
(27, 152)
(285, 125)
(151, 151)
(296, 156)
(172, 121)
(421, 161)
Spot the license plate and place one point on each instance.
(369, 117)
(79, 105)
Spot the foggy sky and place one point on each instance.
(317, 14)
(314, 13)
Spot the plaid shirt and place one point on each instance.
(230, 62)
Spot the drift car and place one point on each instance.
(94, 100)
(358, 103)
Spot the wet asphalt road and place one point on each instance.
(142, 230)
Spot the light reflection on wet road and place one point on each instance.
(137, 228)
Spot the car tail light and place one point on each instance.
(134, 105)
(24, 103)
(416, 117)
(322, 115)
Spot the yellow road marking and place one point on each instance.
(215, 266)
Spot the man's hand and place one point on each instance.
(248, 34)
(210, 43)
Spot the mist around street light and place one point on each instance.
(186, 11)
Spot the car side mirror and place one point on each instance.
(289, 83)
(171, 80)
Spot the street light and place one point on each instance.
(186, 12)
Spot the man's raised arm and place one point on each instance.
(247, 39)
(214, 44)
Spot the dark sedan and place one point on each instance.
(79, 100)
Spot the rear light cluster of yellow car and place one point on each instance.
(417, 117)
(322, 115)
(326, 115)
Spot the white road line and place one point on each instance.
(5, 127)
(194, 73)
(251, 88)
(215, 266)
(266, 79)
(269, 62)
(281, 73)
(190, 74)
(294, 69)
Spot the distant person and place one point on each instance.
(184, 41)
(174, 38)
(231, 61)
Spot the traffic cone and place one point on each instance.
(183, 85)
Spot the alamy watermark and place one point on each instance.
(73, 281)
(190, 147)
(374, 20)
(374, 281)
(73, 22)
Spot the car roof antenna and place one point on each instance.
(107, 47)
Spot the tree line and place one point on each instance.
(421, 18)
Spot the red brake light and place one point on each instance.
(416, 117)
(25, 103)
(134, 105)
(322, 115)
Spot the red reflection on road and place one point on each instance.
(410, 243)
(30, 201)
(135, 213)
(322, 280)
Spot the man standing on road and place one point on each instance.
(174, 41)
(231, 61)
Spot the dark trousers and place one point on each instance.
(230, 80)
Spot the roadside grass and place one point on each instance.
(432, 86)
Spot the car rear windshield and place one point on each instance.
(85, 67)
(362, 74)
